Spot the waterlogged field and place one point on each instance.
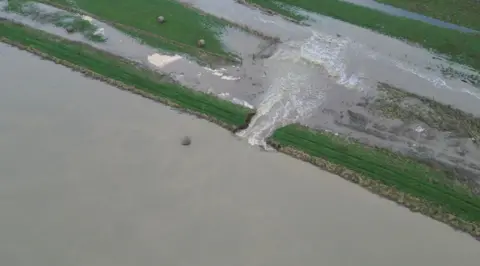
(111, 67)
(182, 24)
(460, 47)
(464, 12)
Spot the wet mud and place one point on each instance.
(327, 75)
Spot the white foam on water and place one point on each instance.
(227, 96)
(160, 60)
(221, 73)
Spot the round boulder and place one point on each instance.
(186, 141)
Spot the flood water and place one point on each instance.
(92, 175)
(314, 75)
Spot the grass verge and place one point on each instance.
(410, 183)
(124, 74)
(461, 47)
(463, 12)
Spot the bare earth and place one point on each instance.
(91, 175)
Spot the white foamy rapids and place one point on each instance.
(329, 52)
(289, 99)
(295, 92)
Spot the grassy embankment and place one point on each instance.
(461, 47)
(123, 74)
(464, 12)
(408, 182)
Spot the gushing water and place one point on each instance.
(300, 73)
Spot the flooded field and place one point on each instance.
(92, 175)
(323, 74)
(407, 14)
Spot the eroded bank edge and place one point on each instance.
(414, 204)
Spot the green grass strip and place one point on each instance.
(461, 12)
(393, 170)
(461, 47)
(112, 67)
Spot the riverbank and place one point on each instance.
(125, 75)
(464, 12)
(460, 47)
(412, 184)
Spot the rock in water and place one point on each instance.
(186, 141)
(201, 43)
(161, 19)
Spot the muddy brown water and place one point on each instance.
(92, 175)
(316, 75)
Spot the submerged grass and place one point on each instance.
(61, 19)
(404, 180)
(461, 47)
(464, 12)
(395, 103)
(123, 74)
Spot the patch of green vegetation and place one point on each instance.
(411, 183)
(121, 71)
(64, 20)
(183, 25)
(464, 12)
(461, 47)
(395, 103)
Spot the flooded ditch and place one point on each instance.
(327, 75)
